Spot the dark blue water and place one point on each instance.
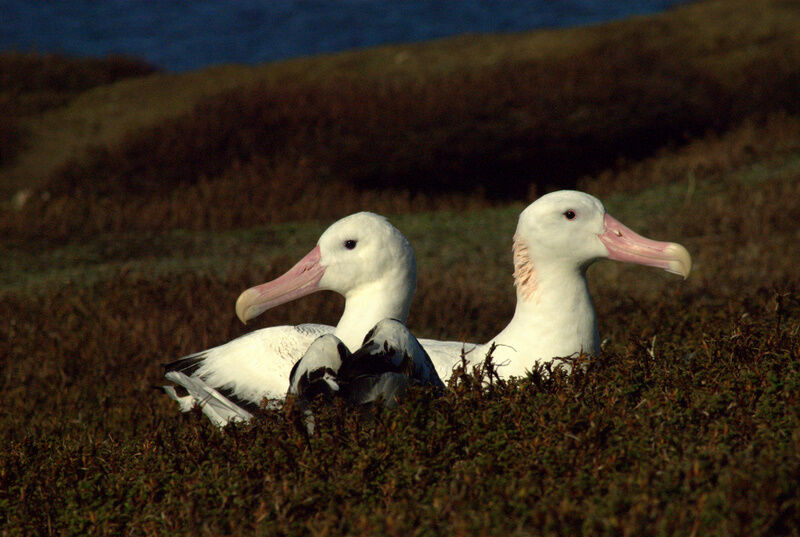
(183, 35)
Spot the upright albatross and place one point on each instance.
(557, 238)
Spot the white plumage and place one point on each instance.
(362, 257)
(557, 238)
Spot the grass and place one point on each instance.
(36, 266)
(686, 424)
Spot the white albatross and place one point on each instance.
(557, 238)
(362, 257)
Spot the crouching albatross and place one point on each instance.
(557, 238)
(388, 362)
(362, 257)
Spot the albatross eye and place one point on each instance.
(569, 214)
(350, 244)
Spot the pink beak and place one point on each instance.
(300, 280)
(626, 245)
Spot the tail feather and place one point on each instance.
(386, 388)
(214, 405)
(188, 364)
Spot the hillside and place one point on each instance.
(478, 114)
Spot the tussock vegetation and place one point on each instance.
(759, 143)
(686, 423)
(485, 129)
(9, 139)
(31, 83)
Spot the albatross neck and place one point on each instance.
(371, 303)
(554, 317)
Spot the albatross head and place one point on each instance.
(361, 254)
(572, 229)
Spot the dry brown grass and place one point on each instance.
(734, 43)
(491, 136)
(33, 83)
(445, 137)
(754, 142)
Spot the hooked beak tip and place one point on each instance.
(300, 280)
(624, 244)
(681, 262)
(242, 307)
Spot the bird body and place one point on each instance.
(389, 360)
(362, 257)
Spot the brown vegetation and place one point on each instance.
(686, 423)
(710, 157)
(490, 134)
(32, 83)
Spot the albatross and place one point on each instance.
(557, 238)
(389, 360)
(362, 257)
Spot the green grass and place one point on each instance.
(441, 237)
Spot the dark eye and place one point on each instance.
(569, 214)
(350, 244)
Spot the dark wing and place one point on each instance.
(390, 359)
(317, 371)
(186, 365)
